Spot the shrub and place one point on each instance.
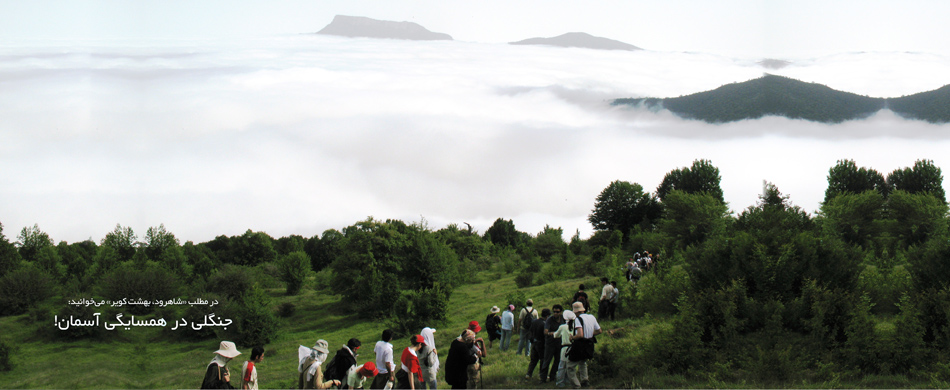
(231, 281)
(153, 282)
(416, 309)
(294, 269)
(5, 363)
(286, 310)
(658, 293)
(23, 288)
(253, 320)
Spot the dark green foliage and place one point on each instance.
(622, 206)
(231, 281)
(252, 248)
(151, 282)
(678, 349)
(918, 216)
(77, 257)
(854, 217)
(157, 241)
(380, 261)
(930, 263)
(768, 95)
(254, 320)
(48, 260)
(199, 260)
(658, 293)
(121, 241)
(690, 218)
(924, 176)
(23, 288)
(289, 244)
(503, 233)
(466, 243)
(294, 269)
(416, 309)
(700, 178)
(932, 106)
(286, 310)
(5, 351)
(322, 251)
(549, 242)
(31, 240)
(846, 178)
(9, 256)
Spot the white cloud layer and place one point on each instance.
(298, 134)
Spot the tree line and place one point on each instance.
(860, 286)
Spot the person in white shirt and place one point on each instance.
(585, 327)
(249, 370)
(603, 310)
(384, 361)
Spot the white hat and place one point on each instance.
(322, 346)
(569, 315)
(495, 309)
(228, 350)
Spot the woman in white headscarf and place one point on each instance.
(311, 374)
(218, 376)
(429, 359)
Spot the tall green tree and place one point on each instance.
(846, 178)
(924, 176)
(382, 263)
(122, 242)
(158, 240)
(323, 250)
(9, 256)
(701, 177)
(31, 240)
(503, 233)
(253, 248)
(622, 206)
(294, 270)
(690, 218)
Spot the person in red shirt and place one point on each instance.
(410, 373)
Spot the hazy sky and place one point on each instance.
(217, 117)
(748, 28)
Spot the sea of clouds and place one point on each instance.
(302, 133)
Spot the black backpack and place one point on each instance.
(528, 318)
(490, 324)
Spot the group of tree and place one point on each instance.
(768, 292)
(774, 291)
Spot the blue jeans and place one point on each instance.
(524, 342)
(505, 339)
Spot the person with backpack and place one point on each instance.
(607, 293)
(582, 346)
(345, 359)
(563, 334)
(536, 335)
(429, 359)
(525, 318)
(311, 375)
(218, 376)
(493, 325)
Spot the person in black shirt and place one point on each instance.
(459, 358)
(552, 345)
(536, 334)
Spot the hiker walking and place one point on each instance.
(218, 376)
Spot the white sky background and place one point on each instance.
(217, 117)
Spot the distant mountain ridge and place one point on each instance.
(359, 26)
(579, 39)
(783, 96)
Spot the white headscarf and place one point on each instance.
(221, 361)
(428, 335)
(318, 357)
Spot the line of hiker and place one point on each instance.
(558, 342)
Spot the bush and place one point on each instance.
(23, 288)
(286, 310)
(416, 309)
(294, 269)
(153, 282)
(253, 320)
(231, 281)
(658, 293)
(5, 363)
